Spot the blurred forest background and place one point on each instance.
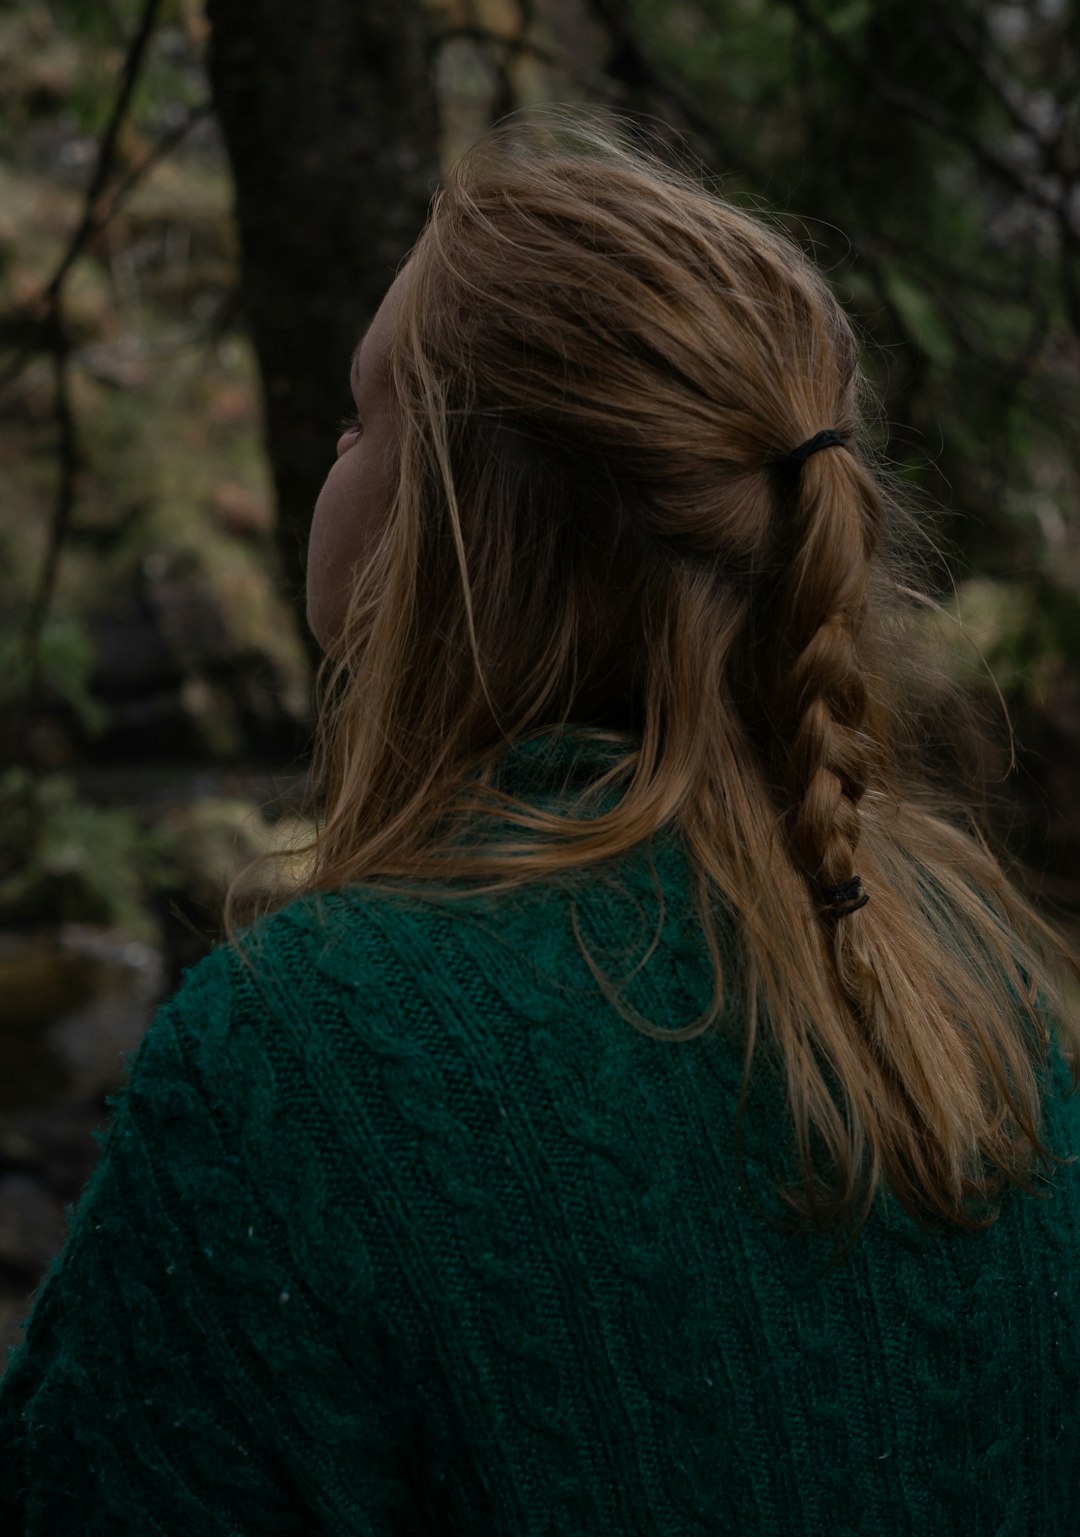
(200, 208)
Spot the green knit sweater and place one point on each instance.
(404, 1230)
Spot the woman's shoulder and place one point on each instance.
(355, 939)
(297, 947)
(267, 1035)
(321, 973)
(341, 985)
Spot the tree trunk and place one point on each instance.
(331, 125)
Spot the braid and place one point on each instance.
(830, 517)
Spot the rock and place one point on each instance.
(241, 512)
(55, 1144)
(94, 1040)
(16, 1146)
(14, 1310)
(231, 403)
(32, 1224)
(76, 1001)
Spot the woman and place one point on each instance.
(411, 1218)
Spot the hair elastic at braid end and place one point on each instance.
(830, 438)
(846, 898)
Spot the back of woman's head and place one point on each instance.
(598, 372)
(605, 367)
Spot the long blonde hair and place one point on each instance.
(597, 367)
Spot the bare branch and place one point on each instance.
(923, 111)
(50, 331)
(157, 152)
(107, 148)
(950, 127)
(48, 300)
(509, 43)
(616, 23)
(947, 25)
(60, 523)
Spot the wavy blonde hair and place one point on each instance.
(597, 367)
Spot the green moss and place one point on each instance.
(66, 860)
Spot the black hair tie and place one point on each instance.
(830, 438)
(845, 898)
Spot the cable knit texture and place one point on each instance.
(403, 1230)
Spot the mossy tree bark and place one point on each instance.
(330, 120)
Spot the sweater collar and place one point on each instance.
(566, 757)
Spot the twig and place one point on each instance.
(107, 149)
(50, 331)
(509, 42)
(60, 523)
(617, 25)
(48, 300)
(949, 127)
(922, 110)
(163, 146)
(946, 24)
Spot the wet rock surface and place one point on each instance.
(31, 1223)
(74, 1003)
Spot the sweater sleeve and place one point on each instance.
(209, 1353)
